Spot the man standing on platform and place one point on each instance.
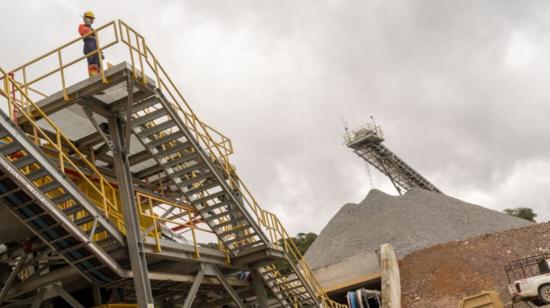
(90, 43)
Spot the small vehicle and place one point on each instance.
(529, 279)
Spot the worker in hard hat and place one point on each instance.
(90, 43)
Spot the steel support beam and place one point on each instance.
(126, 190)
(129, 105)
(39, 297)
(96, 292)
(194, 289)
(90, 116)
(13, 275)
(221, 278)
(67, 297)
(259, 289)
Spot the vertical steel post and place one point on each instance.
(259, 289)
(131, 220)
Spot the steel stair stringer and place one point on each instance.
(204, 159)
(159, 128)
(289, 289)
(80, 239)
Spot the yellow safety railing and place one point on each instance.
(182, 215)
(209, 138)
(216, 145)
(139, 55)
(21, 73)
(49, 135)
(219, 151)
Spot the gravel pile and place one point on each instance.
(410, 222)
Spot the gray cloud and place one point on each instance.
(459, 87)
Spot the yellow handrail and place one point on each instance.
(219, 151)
(62, 65)
(61, 144)
(217, 146)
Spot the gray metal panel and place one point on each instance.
(92, 82)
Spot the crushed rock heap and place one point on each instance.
(410, 222)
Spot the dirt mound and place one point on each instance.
(439, 276)
(410, 222)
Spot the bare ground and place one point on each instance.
(441, 275)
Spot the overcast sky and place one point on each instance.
(461, 89)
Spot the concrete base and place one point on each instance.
(391, 281)
(349, 272)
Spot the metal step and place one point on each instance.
(49, 186)
(246, 237)
(72, 210)
(248, 245)
(213, 207)
(146, 103)
(209, 197)
(175, 149)
(149, 117)
(156, 129)
(23, 161)
(167, 138)
(181, 171)
(236, 229)
(185, 157)
(83, 220)
(197, 178)
(229, 222)
(203, 187)
(37, 174)
(189, 169)
(61, 199)
(10, 148)
(43, 215)
(224, 214)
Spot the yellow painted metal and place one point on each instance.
(486, 299)
(182, 215)
(216, 145)
(57, 52)
(86, 170)
(219, 152)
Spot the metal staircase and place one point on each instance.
(194, 173)
(206, 186)
(189, 161)
(52, 207)
(289, 290)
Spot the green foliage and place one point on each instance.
(522, 212)
(302, 242)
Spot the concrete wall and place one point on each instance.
(391, 281)
(349, 272)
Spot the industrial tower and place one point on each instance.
(366, 141)
(113, 193)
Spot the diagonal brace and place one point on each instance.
(221, 278)
(12, 275)
(194, 289)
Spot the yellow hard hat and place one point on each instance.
(89, 14)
